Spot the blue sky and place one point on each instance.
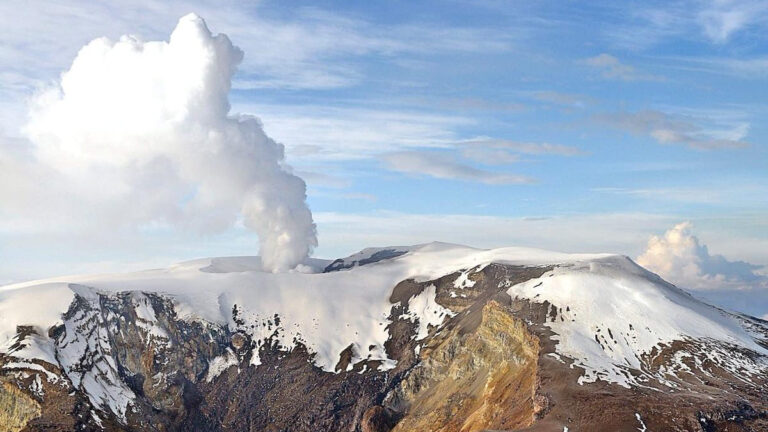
(660, 107)
(578, 126)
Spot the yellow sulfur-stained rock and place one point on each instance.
(484, 379)
(16, 408)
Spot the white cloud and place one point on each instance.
(567, 100)
(530, 148)
(408, 142)
(490, 156)
(453, 159)
(679, 257)
(688, 20)
(741, 67)
(467, 104)
(731, 194)
(445, 166)
(720, 19)
(308, 48)
(360, 196)
(325, 134)
(138, 135)
(343, 233)
(749, 67)
(492, 151)
(699, 132)
(611, 68)
(649, 26)
(322, 179)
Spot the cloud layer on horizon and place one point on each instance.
(679, 257)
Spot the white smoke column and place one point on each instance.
(145, 126)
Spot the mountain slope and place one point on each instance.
(429, 337)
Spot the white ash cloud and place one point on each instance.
(139, 135)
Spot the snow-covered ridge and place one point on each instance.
(611, 312)
(329, 311)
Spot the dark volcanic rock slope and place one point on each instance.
(126, 361)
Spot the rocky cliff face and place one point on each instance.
(461, 355)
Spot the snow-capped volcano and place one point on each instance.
(608, 320)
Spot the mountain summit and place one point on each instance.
(434, 337)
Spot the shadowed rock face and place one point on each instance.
(384, 254)
(487, 367)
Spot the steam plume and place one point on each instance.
(145, 127)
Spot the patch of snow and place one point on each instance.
(32, 347)
(158, 379)
(387, 364)
(642, 427)
(463, 281)
(97, 419)
(146, 319)
(423, 308)
(36, 386)
(255, 359)
(50, 376)
(220, 364)
(108, 395)
(557, 357)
